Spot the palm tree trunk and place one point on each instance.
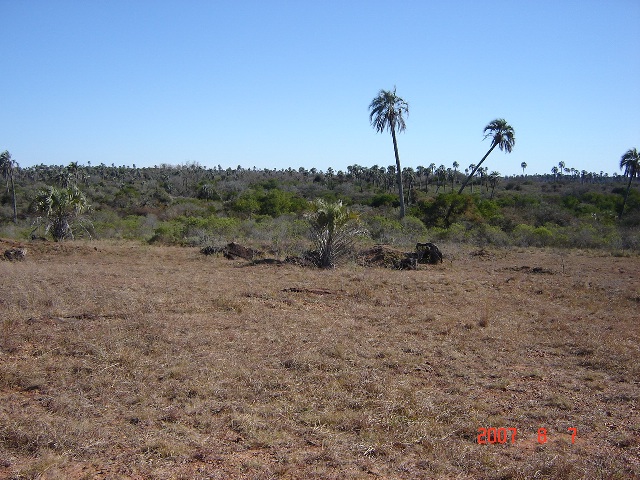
(464, 184)
(398, 171)
(624, 202)
(13, 193)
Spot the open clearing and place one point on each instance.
(131, 361)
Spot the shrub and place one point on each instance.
(383, 229)
(485, 234)
(457, 232)
(488, 209)
(384, 199)
(194, 230)
(526, 235)
(333, 232)
(433, 212)
(61, 212)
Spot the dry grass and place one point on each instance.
(126, 361)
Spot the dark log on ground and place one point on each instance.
(233, 251)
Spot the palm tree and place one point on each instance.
(420, 172)
(430, 171)
(494, 179)
(387, 111)
(456, 165)
(333, 231)
(7, 166)
(630, 161)
(502, 136)
(61, 209)
(471, 167)
(524, 166)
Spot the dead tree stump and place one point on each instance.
(428, 253)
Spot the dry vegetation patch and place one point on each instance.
(129, 361)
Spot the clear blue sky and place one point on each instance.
(274, 84)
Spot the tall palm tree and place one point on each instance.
(494, 179)
(7, 166)
(387, 111)
(502, 136)
(473, 168)
(630, 161)
(456, 165)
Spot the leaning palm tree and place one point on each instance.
(630, 161)
(502, 136)
(7, 167)
(387, 111)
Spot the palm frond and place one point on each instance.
(387, 110)
(630, 162)
(501, 133)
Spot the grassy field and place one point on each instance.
(131, 361)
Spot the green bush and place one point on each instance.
(383, 229)
(413, 227)
(488, 209)
(433, 212)
(456, 232)
(273, 202)
(485, 234)
(517, 200)
(167, 232)
(526, 235)
(384, 200)
(194, 230)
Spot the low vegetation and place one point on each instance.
(196, 206)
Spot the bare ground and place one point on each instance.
(129, 361)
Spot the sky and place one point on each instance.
(288, 83)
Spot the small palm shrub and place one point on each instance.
(333, 231)
(61, 212)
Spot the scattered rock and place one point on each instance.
(15, 254)
(233, 251)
